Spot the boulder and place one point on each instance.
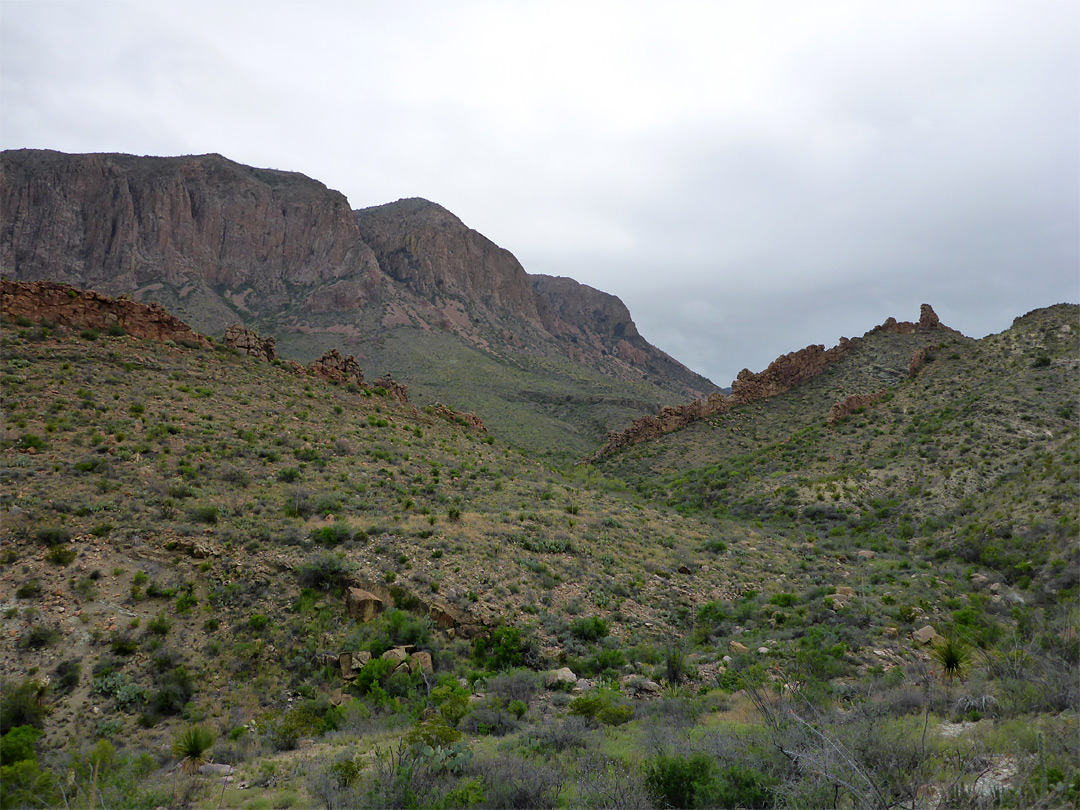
(397, 655)
(925, 635)
(738, 648)
(422, 661)
(559, 677)
(362, 605)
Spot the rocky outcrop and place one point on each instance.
(669, 419)
(928, 322)
(392, 388)
(596, 327)
(783, 374)
(246, 341)
(470, 420)
(786, 372)
(853, 403)
(920, 357)
(67, 306)
(337, 368)
(116, 222)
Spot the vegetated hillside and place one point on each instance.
(181, 528)
(406, 286)
(973, 457)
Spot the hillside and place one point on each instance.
(406, 286)
(184, 527)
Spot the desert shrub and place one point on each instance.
(331, 535)
(67, 676)
(174, 691)
(30, 440)
(503, 650)
(39, 636)
(683, 782)
(517, 684)
(53, 536)
(60, 555)
(602, 706)
(23, 705)
(159, 625)
(18, 744)
(28, 590)
(205, 514)
(490, 716)
(323, 571)
(511, 781)
(589, 629)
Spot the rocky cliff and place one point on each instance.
(220, 243)
(117, 223)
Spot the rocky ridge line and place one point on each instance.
(70, 307)
(783, 374)
(67, 306)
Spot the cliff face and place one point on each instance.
(429, 250)
(118, 222)
(218, 243)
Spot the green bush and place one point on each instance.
(53, 536)
(602, 706)
(683, 782)
(589, 629)
(323, 571)
(331, 535)
(503, 650)
(18, 744)
(60, 555)
(23, 705)
(39, 636)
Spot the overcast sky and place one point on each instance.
(749, 177)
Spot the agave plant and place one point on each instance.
(191, 747)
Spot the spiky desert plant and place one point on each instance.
(191, 746)
(953, 656)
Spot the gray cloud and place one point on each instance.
(749, 178)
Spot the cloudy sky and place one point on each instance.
(749, 177)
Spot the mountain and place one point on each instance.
(406, 286)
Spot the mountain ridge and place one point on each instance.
(218, 243)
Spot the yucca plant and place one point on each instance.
(191, 746)
(953, 656)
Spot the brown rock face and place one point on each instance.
(843, 409)
(67, 306)
(210, 238)
(596, 328)
(247, 341)
(470, 420)
(334, 367)
(116, 222)
(784, 373)
(424, 246)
